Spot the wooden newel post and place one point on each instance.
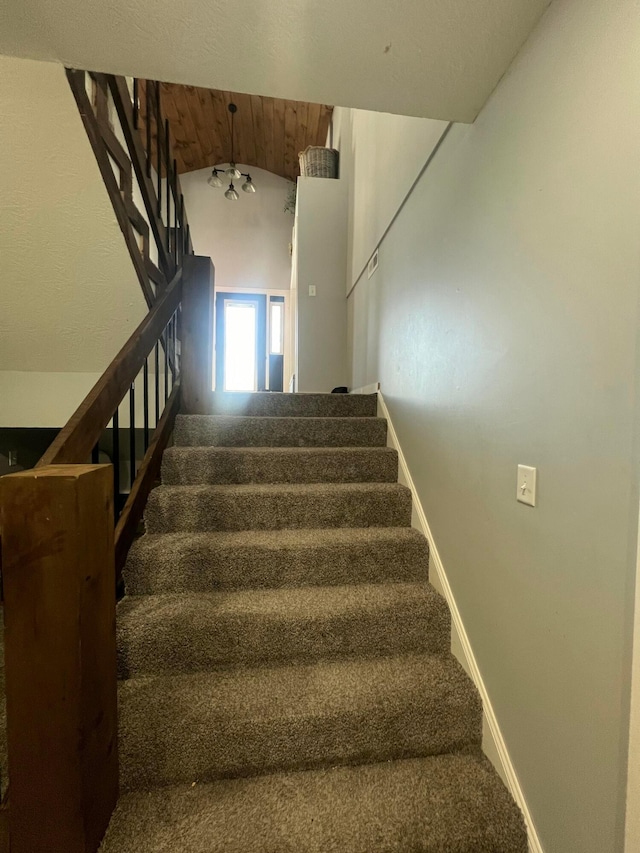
(196, 365)
(56, 524)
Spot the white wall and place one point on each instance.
(379, 173)
(69, 297)
(33, 399)
(503, 326)
(248, 240)
(321, 257)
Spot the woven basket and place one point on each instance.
(318, 162)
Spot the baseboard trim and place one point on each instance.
(495, 748)
(374, 388)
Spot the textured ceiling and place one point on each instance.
(69, 297)
(268, 132)
(434, 58)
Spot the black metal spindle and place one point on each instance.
(188, 249)
(145, 402)
(167, 171)
(147, 92)
(158, 150)
(166, 364)
(95, 454)
(136, 95)
(176, 371)
(182, 250)
(132, 433)
(175, 210)
(157, 368)
(116, 462)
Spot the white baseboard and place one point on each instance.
(374, 388)
(492, 742)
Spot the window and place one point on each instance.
(239, 346)
(276, 339)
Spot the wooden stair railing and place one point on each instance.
(65, 527)
(136, 166)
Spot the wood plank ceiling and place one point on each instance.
(269, 132)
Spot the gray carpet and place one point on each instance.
(242, 465)
(199, 430)
(277, 506)
(286, 682)
(294, 405)
(173, 634)
(443, 804)
(258, 559)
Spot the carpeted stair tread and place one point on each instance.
(180, 633)
(266, 507)
(437, 804)
(266, 403)
(200, 562)
(237, 465)
(238, 431)
(245, 722)
(287, 685)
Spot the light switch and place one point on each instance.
(312, 290)
(526, 491)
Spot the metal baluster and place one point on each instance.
(168, 339)
(175, 210)
(176, 371)
(166, 364)
(95, 454)
(158, 150)
(132, 434)
(145, 394)
(116, 462)
(182, 252)
(167, 170)
(157, 365)
(135, 103)
(147, 93)
(187, 250)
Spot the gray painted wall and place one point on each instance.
(503, 325)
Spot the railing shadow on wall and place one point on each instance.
(67, 524)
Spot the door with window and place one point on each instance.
(241, 341)
(250, 342)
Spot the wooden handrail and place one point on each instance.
(77, 439)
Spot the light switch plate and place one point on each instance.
(312, 290)
(526, 491)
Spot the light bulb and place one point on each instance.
(214, 180)
(248, 186)
(232, 173)
(231, 194)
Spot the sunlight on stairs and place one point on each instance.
(286, 680)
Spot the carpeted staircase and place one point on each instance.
(287, 685)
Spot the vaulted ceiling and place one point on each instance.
(269, 132)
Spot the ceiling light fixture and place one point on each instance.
(232, 172)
